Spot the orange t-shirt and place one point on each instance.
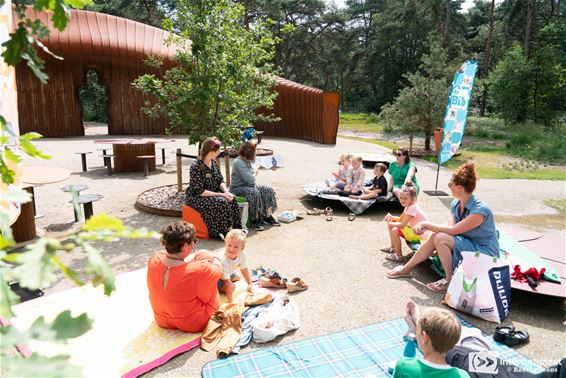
(191, 295)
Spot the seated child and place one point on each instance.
(233, 258)
(379, 184)
(340, 176)
(401, 227)
(356, 179)
(436, 331)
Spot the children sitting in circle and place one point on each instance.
(233, 258)
(402, 226)
(341, 176)
(378, 186)
(356, 179)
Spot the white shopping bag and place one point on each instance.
(279, 318)
(481, 286)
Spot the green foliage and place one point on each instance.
(419, 108)
(149, 12)
(360, 122)
(94, 99)
(536, 143)
(222, 77)
(558, 204)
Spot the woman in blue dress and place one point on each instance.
(471, 227)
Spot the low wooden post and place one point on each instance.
(179, 171)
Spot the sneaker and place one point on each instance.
(257, 225)
(272, 221)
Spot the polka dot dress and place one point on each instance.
(218, 214)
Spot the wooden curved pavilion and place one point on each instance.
(115, 48)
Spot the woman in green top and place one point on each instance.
(402, 170)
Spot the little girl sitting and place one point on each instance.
(401, 227)
(340, 176)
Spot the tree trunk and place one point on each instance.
(530, 27)
(410, 144)
(487, 58)
(227, 164)
(427, 141)
(446, 24)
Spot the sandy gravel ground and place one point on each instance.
(340, 260)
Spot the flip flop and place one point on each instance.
(501, 332)
(351, 217)
(439, 286)
(516, 338)
(396, 273)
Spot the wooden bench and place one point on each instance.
(83, 159)
(108, 163)
(86, 200)
(146, 159)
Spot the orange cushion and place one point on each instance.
(193, 217)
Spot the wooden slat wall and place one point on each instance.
(305, 112)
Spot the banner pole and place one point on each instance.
(437, 173)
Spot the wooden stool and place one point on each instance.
(193, 217)
(258, 133)
(23, 229)
(108, 163)
(83, 158)
(86, 200)
(78, 189)
(146, 159)
(163, 154)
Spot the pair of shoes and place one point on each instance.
(387, 250)
(314, 211)
(509, 336)
(395, 257)
(329, 212)
(272, 221)
(296, 284)
(439, 286)
(276, 282)
(256, 224)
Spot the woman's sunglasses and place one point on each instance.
(399, 154)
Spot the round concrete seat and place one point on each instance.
(86, 200)
(83, 159)
(78, 188)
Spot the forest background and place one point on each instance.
(392, 62)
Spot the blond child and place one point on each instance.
(436, 332)
(402, 227)
(356, 179)
(378, 187)
(234, 257)
(341, 175)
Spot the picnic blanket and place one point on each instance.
(356, 206)
(124, 341)
(360, 352)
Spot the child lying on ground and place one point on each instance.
(436, 332)
(379, 184)
(401, 227)
(233, 258)
(340, 176)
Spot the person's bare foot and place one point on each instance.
(354, 197)
(412, 315)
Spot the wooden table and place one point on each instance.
(24, 227)
(126, 152)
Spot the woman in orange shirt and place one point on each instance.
(182, 282)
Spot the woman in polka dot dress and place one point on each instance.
(207, 192)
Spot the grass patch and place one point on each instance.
(359, 122)
(382, 143)
(498, 165)
(558, 204)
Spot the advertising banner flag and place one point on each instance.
(457, 110)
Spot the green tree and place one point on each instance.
(221, 80)
(150, 12)
(419, 108)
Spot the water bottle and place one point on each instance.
(410, 350)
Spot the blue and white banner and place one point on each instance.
(457, 110)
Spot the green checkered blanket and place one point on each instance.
(360, 352)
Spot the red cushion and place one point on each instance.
(192, 216)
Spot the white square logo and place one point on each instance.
(482, 362)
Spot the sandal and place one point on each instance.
(296, 284)
(329, 213)
(395, 257)
(397, 273)
(501, 332)
(516, 338)
(387, 250)
(351, 217)
(439, 286)
(314, 211)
